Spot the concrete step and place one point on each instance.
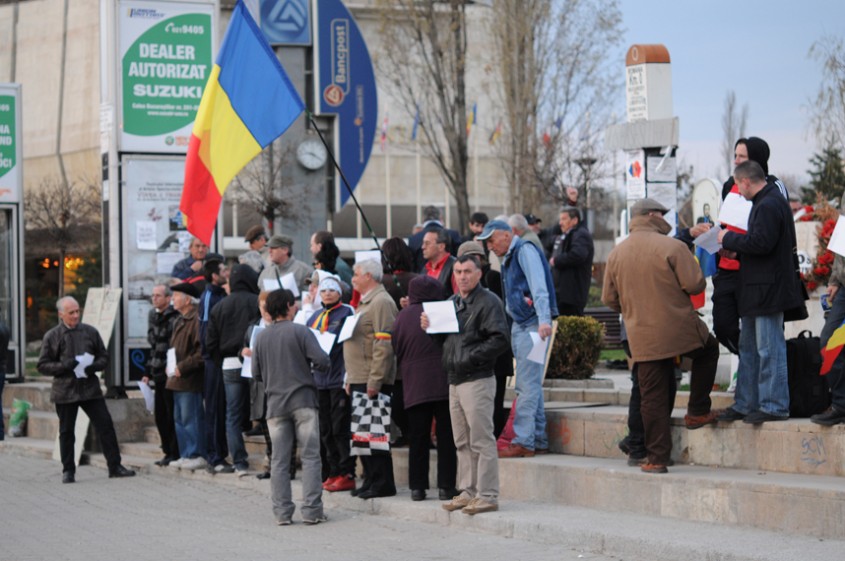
(611, 396)
(796, 446)
(254, 444)
(795, 504)
(37, 393)
(150, 452)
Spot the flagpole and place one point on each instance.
(475, 170)
(419, 187)
(389, 211)
(352, 196)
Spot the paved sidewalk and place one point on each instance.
(159, 517)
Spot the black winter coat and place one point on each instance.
(231, 317)
(484, 335)
(573, 267)
(59, 350)
(769, 282)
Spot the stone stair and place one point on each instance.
(784, 477)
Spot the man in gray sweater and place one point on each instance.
(282, 360)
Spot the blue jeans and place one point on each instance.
(188, 416)
(304, 424)
(529, 422)
(762, 383)
(237, 398)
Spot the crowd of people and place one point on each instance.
(240, 348)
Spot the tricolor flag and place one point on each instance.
(416, 125)
(831, 351)
(497, 132)
(247, 103)
(471, 118)
(384, 133)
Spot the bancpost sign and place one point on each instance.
(346, 87)
(165, 51)
(10, 143)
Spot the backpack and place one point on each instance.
(808, 391)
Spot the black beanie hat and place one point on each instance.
(758, 151)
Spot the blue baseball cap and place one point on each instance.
(491, 227)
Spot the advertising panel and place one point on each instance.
(346, 87)
(165, 61)
(11, 160)
(154, 238)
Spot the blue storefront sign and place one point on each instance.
(346, 87)
(286, 22)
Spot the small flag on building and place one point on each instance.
(472, 118)
(416, 125)
(497, 132)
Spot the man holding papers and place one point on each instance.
(370, 364)
(338, 466)
(229, 321)
(769, 285)
(530, 301)
(64, 349)
(649, 279)
(282, 262)
(283, 358)
(468, 358)
(186, 378)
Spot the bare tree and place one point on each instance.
(264, 185)
(425, 62)
(733, 128)
(828, 108)
(556, 79)
(65, 211)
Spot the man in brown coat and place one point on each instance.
(649, 279)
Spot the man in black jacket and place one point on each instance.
(468, 358)
(159, 330)
(572, 263)
(224, 339)
(769, 285)
(62, 350)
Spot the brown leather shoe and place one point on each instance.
(697, 421)
(516, 451)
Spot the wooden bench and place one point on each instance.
(612, 326)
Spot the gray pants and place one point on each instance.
(304, 423)
(471, 408)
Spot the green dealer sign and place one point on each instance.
(8, 142)
(166, 59)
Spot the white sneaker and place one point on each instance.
(241, 471)
(177, 464)
(194, 463)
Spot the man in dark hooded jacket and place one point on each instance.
(228, 322)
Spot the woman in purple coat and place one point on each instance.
(426, 393)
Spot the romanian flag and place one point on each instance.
(831, 351)
(472, 118)
(497, 132)
(247, 103)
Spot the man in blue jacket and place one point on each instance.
(531, 304)
(769, 285)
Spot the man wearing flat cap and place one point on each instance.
(649, 279)
(283, 262)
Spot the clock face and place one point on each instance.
(311, 154)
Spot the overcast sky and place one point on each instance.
(759, 49)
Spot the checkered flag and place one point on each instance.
(370, 424)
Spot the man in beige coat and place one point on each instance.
(649, 279)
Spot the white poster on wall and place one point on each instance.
(635, 174)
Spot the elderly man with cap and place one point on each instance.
(521, 228)
(186, 380)
(649, 279)
(530, 301)
(335, 410)
(282, 262)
